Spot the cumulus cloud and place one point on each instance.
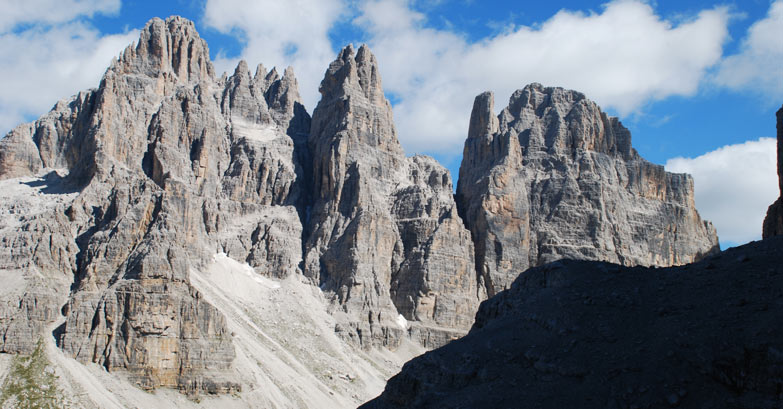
(734, 186)
(759, 64)
(622, 57)
(42, 62)
(280, 33)
(17, 12)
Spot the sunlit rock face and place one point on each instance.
(110, 201)
(159, 168)
(553, 177)
(385, 237)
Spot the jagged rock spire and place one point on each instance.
(373, 209)
(170, 46)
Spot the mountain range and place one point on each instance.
(173, 229)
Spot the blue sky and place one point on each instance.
(697, 82)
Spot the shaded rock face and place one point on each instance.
(384, 234)
(597, 335)
(162, 166)
(773, 222)
(553, 177)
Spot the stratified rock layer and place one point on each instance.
(110, 201)
(165, 165)
(773, 222)
(385, 237)
(584, 334)
(553, 177)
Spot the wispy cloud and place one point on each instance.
(17, 12)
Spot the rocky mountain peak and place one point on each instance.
(354, 75)
(242, 70)
(383, 226)
(177, 170)
(573, 122)
(353, 122)
(282, 94)
(165, 47)
(483, 121)
(553, 170)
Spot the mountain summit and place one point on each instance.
(553, 177)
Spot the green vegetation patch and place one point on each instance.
(31, 383)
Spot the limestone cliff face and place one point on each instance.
(773, 222)
(112, 199)
(553, 177)
(384, 235)
(161, 167)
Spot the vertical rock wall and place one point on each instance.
(384, 235)
(553, 177)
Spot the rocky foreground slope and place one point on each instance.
(117, 203)
(582, 334)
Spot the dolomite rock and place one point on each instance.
(37, 257)
(773, 222)
(553, 177)
(164, 166)
(113, 198)
(385, 238)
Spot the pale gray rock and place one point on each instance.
(435, 286)
(384, 235)
(167, 165)
(553, 177)
(37, 257)
(773, 222)
(53, 141)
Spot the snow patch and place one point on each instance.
(254, 131)
(227, 267)
(402, 322)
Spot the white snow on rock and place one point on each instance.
(254, 131)
(402, 322)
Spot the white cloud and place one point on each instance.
(281, 33)
(622, 57)
(43, 63)
(759, 64)
(734, 186)
(52, 11)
